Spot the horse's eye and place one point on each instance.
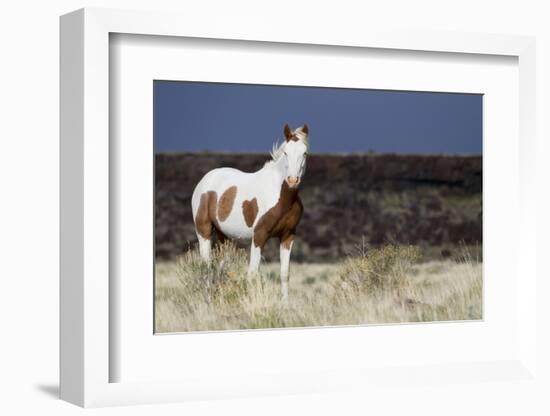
(305, 154)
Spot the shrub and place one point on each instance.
(222, 279)
(384, 285)
(381, 269)
(270, 317)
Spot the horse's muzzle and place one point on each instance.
(293, 181)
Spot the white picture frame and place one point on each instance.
(86, 357)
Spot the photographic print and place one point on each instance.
(292, 207)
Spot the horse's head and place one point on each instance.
(295, 153)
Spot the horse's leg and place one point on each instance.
(204, 226)
(205, 244)
(220, 237)
(255, 257)
(285, 249)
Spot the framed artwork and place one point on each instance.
(225, 197)
(375, 219)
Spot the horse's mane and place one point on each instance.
(277, 149)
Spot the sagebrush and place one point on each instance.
(381, 285)
(382, 269)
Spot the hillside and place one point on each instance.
(433, 201)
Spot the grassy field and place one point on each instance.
(388, 285)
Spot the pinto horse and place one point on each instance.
(255, 206)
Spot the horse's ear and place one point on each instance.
(288, 132)
(305, 129)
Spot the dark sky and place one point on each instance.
(197, 116)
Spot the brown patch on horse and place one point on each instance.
(280, 220)
(205, 218)
(287, 132)
(287, 240)
(291, 136)
(250, 211)
(226, 203)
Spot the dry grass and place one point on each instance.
(374, 286)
